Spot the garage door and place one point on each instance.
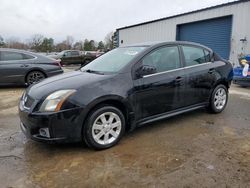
(214, 33)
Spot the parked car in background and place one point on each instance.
(239, 79)
(18, 67)
(242, 72)
(125, 88)
(76, 57)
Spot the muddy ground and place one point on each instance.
(196, 149)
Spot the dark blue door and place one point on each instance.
(214, 33)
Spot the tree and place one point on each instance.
(101, 46)
(1, 41)
(109, 41)
(78, 45)
(14, 42)
(92, 45)
(89, 45)
(36, 42)
(47, 45)
(86, 46)
(61, 46)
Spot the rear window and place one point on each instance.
(195, 55)
(75, 53)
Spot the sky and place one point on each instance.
(91, 19)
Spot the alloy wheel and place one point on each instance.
(106, 128)
(35, 77)
(220, 98)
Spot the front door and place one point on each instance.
(162, 91)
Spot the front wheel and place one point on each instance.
(104, 127)
(219, 98)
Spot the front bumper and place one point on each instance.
(64, 126)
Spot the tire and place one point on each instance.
(218, 99)
(98, 132)
(34, 77)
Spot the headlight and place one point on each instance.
(23, 95)
(54, 101)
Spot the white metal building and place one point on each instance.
(225, 28)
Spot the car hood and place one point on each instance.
(72, 80)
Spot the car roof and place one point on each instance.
(161, 43)
(20, 51)
(34, 54)
(15, 50)
(69, 50)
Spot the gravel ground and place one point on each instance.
(196, 149)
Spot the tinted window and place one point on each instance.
(67, 54)
(74, 53)
(26, 56)
(10, 56)
(195, 56)
(163, 59)
(207, 56)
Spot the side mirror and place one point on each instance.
(145, 70)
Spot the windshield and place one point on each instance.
(60, 53)
(114, 60)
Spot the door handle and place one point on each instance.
(178, 79)
(24, 65)
(211, 71)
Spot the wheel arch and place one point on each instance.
(218, 82)
(34, 69)
(116, 101)
(223, 82)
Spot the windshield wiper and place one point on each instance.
(93, 71)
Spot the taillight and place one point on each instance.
(57, 63)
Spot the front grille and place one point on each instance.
(28, 101)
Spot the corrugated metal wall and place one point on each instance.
(214, 33)
(165, 30)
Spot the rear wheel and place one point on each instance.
(104, 127)
(218, 99)
(34, 77)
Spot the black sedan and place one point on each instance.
(18, 67)
(126, 87)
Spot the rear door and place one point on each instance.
(199, 74)
(160, 92)
(75, 57)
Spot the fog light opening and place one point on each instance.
(44, 132)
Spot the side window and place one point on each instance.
(163, 59)
(10, 56)
(207, 56)
(195, 56)
(67, 54)
(74, 53)
(26, 56)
